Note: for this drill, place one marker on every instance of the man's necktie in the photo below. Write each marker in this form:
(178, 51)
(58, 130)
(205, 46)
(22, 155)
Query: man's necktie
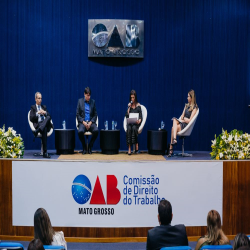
(41, 116)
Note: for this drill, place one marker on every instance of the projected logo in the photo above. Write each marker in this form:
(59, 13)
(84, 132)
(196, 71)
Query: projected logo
(82, 192)
(116, 38)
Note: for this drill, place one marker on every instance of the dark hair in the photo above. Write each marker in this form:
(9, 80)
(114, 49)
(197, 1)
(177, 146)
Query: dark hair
(133, 92)
(244, 248)
(165, 212)
(87, 90)
(35, 244)
(241, 240)
(42, 227)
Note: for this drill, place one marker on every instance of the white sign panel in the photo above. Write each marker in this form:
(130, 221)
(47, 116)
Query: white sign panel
(115, 194)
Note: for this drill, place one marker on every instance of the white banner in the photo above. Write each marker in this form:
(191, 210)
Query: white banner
(115, 194)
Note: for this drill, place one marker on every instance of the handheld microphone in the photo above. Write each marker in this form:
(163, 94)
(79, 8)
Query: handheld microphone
(131, 103)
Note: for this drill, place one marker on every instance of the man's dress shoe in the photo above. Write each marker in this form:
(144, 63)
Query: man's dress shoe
(46, 155)
(90, 150)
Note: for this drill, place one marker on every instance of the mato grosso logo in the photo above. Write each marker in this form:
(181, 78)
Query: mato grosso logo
(82, 193)
(115, 38)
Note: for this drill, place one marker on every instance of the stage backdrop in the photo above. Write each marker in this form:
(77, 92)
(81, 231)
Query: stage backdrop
(203, 45)
(117, 194)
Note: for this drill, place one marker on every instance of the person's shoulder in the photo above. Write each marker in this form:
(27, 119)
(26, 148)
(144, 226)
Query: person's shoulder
(58, 236)
(33, 106)
(179, 226)
(201, 240)
(155, 229)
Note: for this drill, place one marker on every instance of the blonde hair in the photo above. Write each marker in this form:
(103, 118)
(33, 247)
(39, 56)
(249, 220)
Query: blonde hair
(193, 104)
(215, 234)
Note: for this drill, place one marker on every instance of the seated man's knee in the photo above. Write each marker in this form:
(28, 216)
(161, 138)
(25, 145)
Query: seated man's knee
(81, 133)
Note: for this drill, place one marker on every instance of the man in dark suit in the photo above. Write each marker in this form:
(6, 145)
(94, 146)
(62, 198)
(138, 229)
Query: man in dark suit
(166, 235)
(86, 115)
(41, 119)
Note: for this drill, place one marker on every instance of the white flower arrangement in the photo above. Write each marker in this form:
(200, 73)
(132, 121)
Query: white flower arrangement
(11, 144)
(229, 146)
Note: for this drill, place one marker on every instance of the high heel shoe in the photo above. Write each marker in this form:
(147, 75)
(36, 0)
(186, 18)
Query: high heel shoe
(174, 142)
(171, 152)
(137, 151)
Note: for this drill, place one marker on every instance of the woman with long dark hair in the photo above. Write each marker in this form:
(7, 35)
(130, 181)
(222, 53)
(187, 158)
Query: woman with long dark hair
(44, 232)
(215, 235)
(188, 113)
(241, 240)
(132, 129)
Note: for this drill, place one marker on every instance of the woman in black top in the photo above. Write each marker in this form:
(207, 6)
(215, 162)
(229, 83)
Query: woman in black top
(132, 129)
(188, 113)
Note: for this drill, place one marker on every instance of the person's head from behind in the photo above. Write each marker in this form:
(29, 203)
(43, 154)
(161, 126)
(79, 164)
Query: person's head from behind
(241, 240)
(133, 97)
(35, 244)
(213, 226)
(87, 93)
(42, 227)
(191, 98)
(165, 212)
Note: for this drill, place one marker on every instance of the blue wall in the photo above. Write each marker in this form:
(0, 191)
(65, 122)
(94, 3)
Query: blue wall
(203, 45)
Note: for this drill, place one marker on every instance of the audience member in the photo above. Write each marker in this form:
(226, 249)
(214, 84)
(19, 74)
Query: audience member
(166, 235)
(244, 248)
(240, 240)
(35, 244)
(215, 235)
(44, 231)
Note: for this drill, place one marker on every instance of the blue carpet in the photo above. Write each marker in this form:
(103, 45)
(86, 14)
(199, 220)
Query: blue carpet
(196, 156)
(29, 154)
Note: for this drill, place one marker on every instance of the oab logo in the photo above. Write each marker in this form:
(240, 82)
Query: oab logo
(82, 191)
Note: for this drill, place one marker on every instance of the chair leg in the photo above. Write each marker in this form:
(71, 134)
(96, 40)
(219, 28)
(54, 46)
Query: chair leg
(87, 139)
(182, 153)
(41, 147)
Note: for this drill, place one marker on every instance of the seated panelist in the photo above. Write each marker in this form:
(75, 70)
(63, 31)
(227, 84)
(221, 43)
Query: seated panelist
(86, 115)
(188, 113)
(132, 129)
(41, 120)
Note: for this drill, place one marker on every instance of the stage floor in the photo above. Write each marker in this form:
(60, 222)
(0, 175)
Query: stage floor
(122, 156)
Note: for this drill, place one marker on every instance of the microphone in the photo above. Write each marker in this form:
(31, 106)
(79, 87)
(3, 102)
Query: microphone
(131, 103)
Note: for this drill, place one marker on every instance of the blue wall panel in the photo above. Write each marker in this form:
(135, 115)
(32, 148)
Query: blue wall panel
(203, 45)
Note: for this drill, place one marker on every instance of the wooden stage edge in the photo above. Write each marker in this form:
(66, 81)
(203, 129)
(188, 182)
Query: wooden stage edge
(97, 240)
(236, 216)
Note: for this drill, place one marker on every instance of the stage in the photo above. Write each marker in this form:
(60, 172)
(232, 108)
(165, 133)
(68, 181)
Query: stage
(235, 210)
(122, 156)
